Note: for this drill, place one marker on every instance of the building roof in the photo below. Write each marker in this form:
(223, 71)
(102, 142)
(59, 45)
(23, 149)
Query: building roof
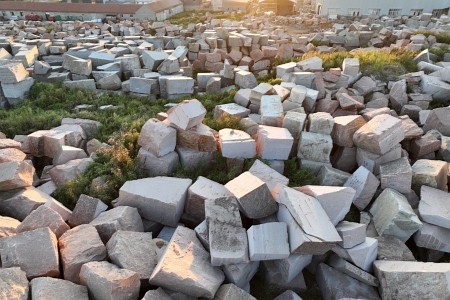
(156, 6)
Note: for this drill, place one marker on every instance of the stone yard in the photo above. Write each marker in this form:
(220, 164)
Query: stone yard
(375, 226)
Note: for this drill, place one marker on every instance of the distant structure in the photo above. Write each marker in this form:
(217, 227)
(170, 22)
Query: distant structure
(157, 10)
(391, 8)
(279, 7)
(229, 5)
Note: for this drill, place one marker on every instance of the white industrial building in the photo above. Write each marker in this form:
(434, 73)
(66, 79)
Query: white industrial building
(391, 8)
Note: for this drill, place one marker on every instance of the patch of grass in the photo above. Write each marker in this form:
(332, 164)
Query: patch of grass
(316, 43)
(383, 64)
(224, 122)
(439, 52)
(197, 16)
(441, 37)
(298, 176)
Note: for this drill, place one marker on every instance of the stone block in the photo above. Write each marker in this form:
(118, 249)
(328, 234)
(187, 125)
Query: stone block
(432, 173)
(433, 206)
(19, 203)
(315, 146)
(158, 199)
(195, 277)
(241, 274)
(273, 143)
(157, 138)
(352, 234)
(392, 248)
(330, 176)
(362, 255)
(236, 144)
(43, 217)
(267, 174)
(271, 111)
(13, 72)
(253, 196)
(365, 184)
(230, 110)
(393, 215)
(78, 246)
(320, 122)
(245, 80)
(372, 161)
(295, 123)
(438, 119)
(261, 249)
(13, 283)
(231, 291)
(86, 209)
(351, 270)
(157, 166)
(397, 175)
(350, 66)
(344, 128)
(16, 174)
(187, 114)
(47, 288)
(35, 252)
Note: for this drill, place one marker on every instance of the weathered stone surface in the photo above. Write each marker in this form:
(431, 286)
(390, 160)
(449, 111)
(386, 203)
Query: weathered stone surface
(336, 285)
(365, 184)
(412, 280)
(135, 251)
(119, 218)
(379, 135)
(245, 80)
(202, 189)
(267, 174)
(396, 175)
(35, 252)
(350, 66)
(373, 161)
(332, 177)
(433, 206)
(392, 248)
(200, 138)
(152, 165)
(8, 226)
(62, 173)
(271, 110)
(432, 173)
(289, 268)
(273, 143)
(438, 119)
(157, 294)
(227, 238)
(393, 215)
(433, 237)
(19, 203)
(352, 234)
(159, 199)
(230, 291)
(86, 210)
(309, 228)
(288, 295)
(13, 284)
(78, 246)
(187, 114)
(236, 144)
(195, 276)
(11, 154)
(351, 270)
(47, 288)
(434, 86)
(13, 72)
(253, 196)
(15, 175)
(241, 274)
(365, 85)
(397, 94)
(344, 129)
(362, 255)
(42, 217)
(107, 281)
(157, 137)
(258, 235)
(68, 153)
(315, 146)
(336, 201)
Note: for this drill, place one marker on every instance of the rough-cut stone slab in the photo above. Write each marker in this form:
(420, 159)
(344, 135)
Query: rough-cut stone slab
(352, 234)
(433, 237)
(336, 285)
(438, 119)
(267, 174)
(289, 268)
(373, 161)
(336, 201)
(393, 215)
(273, 143)
(47, 288)
(157, 137)
(119, 218)
(315, 146)
(200, 138)
(288, 295)
(187, 114)
(396, 175)
(351, 270)
(261, 249)
(11, 154)
(195, 276)
(86, 210)
(42, 217)
(13, 284)
(69, 171)
(16, 174)
(158, 199)
(309, 228)
(380, 134)
(253, 196)
(344, 128)
(434, 206)
(271, 110)
(412, 280)
(78, 246)
(362, 255)
(230, 291)
(432, 173)
(236, 144)
(157, 294)
(202, 189)
(241, 274)
(330, 176)
(392, 248)
(107, 281)
(157, 166)
(227, 238)
(8, 226)
(135, 251)
(13, 72)
(365, 185)
(19, 203)
(35, 252)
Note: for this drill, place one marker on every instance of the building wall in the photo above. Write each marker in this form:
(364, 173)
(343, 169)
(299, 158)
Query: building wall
(63, 15)
(349, 7)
